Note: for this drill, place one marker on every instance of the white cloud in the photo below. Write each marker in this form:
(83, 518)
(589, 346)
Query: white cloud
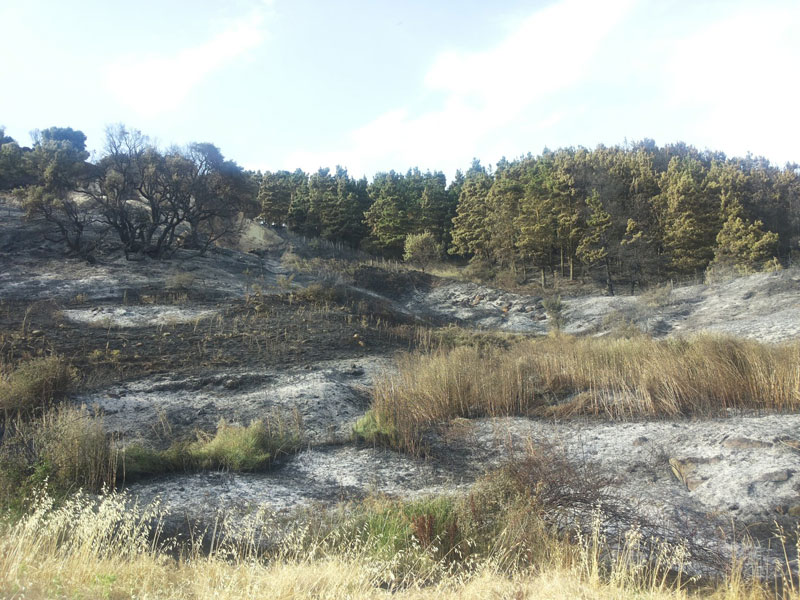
(483, 91)
(155, 84)
(738, 76)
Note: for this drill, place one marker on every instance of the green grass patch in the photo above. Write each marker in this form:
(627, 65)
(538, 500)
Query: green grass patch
(254, 447)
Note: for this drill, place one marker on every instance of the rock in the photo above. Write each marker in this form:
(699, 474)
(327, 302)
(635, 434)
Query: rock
(794, 511)
(776, 476)
(743, 443)
(693, 482)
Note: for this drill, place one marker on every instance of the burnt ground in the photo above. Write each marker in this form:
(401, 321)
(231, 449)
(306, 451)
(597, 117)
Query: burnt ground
(168, 348)
(264, 332)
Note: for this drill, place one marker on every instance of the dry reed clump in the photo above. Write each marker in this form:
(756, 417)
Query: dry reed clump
(34, 384)
(616, 378)
(66, 449)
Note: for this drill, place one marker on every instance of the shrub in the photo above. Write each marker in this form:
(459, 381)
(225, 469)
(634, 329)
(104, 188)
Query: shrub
(250, 448)
(657, 296)
(181, 281)
(422, 249)
(554, 308)
(373, 428)
(322, 293)
(35, 383)
(233, 447)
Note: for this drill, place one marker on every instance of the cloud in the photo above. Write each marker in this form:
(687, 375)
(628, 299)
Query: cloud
(156, 84)
(737, 76)
(481, 92)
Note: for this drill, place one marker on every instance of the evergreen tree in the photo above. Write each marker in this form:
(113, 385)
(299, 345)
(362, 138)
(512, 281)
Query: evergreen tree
(470, 235)
(593, 248)
(690, 217)
(388, 218)
(743, 246)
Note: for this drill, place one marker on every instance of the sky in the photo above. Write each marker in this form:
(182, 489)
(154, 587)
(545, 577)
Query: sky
(374, 85)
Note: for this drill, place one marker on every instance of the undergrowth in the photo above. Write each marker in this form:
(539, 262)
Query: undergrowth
(65, 448)
(34, 384)
(506, 538)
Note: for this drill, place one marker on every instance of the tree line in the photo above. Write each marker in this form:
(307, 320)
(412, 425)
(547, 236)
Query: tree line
(635, 214)
(632, 214)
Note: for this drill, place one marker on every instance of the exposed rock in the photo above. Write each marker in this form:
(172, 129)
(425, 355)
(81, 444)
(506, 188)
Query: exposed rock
(776, 476)
(741, 443)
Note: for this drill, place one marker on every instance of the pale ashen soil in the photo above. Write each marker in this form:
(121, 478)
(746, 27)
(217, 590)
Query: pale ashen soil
(696, 476)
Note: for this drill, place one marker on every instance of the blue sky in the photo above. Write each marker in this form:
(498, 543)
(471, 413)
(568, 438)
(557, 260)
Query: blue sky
(378, 85)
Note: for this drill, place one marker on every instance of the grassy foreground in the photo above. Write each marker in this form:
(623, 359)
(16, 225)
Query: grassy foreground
(104, 549)
(565, 376)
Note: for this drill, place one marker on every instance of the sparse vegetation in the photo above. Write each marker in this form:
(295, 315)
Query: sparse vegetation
(65, 449)
(498, 541)
(555, 314)
(657, 296)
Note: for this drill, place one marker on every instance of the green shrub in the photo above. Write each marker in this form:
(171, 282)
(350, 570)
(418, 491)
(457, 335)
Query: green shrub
(373, 428)
(422, 249)
(233, 447)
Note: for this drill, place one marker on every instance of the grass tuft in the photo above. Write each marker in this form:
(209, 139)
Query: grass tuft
(35, 384)
(66, 449)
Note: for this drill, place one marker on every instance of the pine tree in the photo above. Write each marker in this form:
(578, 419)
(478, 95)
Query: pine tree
(593, 248)
(471, 236)
(690, 217)
(388, 218)
(743, 246)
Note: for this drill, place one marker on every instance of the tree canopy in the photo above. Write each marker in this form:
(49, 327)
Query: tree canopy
(632, 214)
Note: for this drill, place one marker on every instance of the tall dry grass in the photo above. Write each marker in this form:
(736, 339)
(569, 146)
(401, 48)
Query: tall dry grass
(34, 384)
(563, 376)
(66, 448)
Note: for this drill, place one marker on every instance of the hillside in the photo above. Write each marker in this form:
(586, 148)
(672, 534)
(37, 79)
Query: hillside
(166, 349)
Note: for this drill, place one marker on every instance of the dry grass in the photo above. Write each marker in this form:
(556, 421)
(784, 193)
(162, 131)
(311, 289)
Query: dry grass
(564, 376)
(65, 448)
(106, 549)
(34, 384)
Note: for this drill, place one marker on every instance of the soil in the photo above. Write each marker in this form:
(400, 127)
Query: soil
(168, 348)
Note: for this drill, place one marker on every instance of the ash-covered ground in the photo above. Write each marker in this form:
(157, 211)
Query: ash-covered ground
(176, 345)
